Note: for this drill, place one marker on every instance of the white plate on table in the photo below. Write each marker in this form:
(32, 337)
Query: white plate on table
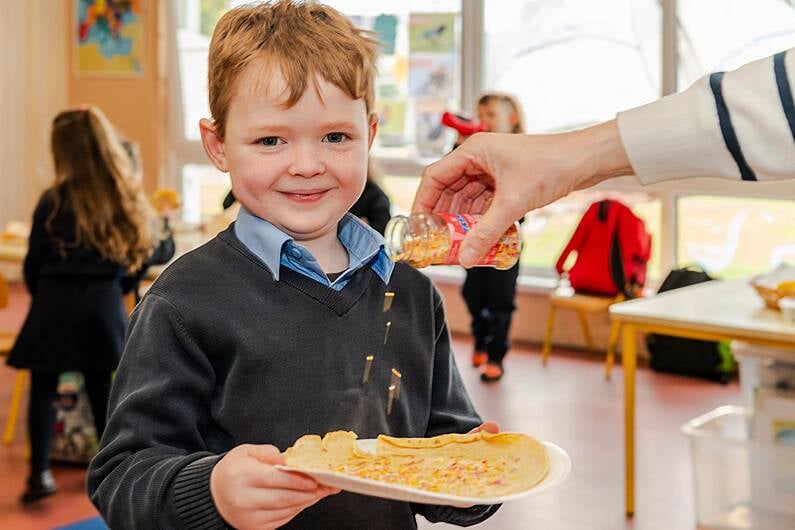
(559, 467)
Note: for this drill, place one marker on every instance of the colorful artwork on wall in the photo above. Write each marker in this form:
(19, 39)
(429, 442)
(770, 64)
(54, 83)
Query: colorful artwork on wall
(109, 37)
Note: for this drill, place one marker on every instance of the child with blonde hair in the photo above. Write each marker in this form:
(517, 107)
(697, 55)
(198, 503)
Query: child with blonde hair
(373, 206)
(261, 336)
(490, 293)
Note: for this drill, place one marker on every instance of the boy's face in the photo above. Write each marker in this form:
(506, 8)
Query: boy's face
(300, 168)
(497, 116)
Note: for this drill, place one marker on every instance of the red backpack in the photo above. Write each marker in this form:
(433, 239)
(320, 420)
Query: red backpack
(612, 247)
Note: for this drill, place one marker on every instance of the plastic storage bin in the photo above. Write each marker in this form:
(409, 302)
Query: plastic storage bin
(762, 367)
(739, 483)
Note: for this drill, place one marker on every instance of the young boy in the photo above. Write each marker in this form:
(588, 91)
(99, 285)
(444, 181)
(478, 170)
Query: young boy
(260, 336)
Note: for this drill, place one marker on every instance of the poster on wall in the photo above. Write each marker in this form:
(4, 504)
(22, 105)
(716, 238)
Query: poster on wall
(391, 122)
(431, 75)
(430, 137)
(432, 32)
(109, 37)
(386, 28)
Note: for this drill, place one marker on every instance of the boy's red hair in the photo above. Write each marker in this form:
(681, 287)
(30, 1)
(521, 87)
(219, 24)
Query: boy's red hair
(303, 40)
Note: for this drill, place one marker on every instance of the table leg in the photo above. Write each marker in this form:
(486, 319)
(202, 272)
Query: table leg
(629, 358)
(547, 347)
(615, 330)
(585, 331)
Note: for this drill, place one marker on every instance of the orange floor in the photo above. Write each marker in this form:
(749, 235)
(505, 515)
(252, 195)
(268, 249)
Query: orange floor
(568, 402)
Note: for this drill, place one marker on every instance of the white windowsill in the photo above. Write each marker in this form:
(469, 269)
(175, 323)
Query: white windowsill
(527, 283)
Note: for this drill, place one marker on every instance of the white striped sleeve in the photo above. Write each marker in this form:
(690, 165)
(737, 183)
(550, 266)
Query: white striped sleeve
(736, 125)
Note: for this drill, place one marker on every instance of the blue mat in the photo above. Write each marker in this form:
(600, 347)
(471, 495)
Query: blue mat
(95, 523)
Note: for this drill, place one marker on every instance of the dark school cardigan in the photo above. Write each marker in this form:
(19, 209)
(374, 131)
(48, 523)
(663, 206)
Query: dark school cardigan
(219, 354)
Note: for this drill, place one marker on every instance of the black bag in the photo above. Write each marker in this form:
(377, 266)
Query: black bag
(690, 357)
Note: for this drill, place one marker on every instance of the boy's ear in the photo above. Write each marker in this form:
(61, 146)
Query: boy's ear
(373, 128)
(213, 145)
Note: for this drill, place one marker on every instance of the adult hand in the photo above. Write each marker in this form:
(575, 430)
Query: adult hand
(503, 176)
(250, 492)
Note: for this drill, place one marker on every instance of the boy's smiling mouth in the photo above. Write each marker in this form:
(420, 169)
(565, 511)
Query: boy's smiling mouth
(305, 196)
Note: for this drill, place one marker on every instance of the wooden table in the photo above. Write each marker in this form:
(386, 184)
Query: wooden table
(720, 310)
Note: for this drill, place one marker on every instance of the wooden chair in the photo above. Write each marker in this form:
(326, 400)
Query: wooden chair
(7, 339)
(583, 305)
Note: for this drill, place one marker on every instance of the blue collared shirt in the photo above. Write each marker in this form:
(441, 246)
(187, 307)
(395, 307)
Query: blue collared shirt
(364, 245)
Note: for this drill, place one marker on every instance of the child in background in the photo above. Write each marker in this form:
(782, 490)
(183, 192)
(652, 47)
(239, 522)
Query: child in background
(373, 207)
(261, 335)
(90, 230)
(490, 293)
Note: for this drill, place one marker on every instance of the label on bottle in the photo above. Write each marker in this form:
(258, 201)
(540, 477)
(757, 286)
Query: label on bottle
(458, 225)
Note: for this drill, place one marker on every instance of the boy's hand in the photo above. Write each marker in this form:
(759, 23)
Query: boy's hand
(249, 492)
(489, 426)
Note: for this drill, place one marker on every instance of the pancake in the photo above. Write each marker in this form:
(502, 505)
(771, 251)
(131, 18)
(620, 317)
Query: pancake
(479, 465)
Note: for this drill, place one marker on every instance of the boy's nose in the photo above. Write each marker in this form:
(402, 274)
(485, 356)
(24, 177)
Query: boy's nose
(306, 163)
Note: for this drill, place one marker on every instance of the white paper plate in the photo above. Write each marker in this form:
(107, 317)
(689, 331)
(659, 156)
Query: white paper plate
(559, 467)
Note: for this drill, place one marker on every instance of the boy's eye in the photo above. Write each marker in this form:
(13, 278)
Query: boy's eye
(270, 141)
(336, 137)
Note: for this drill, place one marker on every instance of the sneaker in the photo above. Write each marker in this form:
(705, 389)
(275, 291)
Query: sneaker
(491, 372)
(40, 485)
(479, 358)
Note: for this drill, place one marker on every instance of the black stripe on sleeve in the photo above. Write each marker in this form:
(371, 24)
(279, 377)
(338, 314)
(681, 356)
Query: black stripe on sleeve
(784, 91)
(726, 127)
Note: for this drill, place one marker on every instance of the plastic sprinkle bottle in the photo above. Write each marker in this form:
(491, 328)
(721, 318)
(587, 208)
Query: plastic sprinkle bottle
(435, 239)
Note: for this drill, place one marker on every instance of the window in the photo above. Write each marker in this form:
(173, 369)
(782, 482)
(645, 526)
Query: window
(195, 23)
(202, 186)
(547, 230)
(732, 237)
(573, 62)
(419, 78)
(418, 67)
(717, 35)
(206, 187)
(418, 71)
(401, 190)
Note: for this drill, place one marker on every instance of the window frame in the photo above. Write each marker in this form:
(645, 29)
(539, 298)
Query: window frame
(182, 151)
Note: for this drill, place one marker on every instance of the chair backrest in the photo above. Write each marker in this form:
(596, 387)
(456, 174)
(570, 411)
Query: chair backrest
(3, 291)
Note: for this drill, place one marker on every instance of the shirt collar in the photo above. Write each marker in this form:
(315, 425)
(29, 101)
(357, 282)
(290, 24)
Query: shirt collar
(363, 244)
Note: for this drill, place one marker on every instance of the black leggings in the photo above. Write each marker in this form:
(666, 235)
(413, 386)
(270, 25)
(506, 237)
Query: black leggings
(490, 295)
(41, 413)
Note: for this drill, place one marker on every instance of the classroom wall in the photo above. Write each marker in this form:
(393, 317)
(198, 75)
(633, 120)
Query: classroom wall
(529, 321)
(32, 81)
(133, 104)
(38, 79)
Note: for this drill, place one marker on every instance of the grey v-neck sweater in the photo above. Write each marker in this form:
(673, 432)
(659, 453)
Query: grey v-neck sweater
(219, 354)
